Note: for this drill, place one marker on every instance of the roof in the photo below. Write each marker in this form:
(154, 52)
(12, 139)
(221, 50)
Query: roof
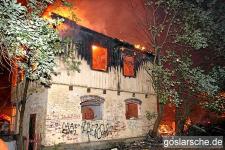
(87, 30)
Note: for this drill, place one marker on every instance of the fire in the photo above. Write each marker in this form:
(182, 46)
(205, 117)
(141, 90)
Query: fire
(68, 11)
(57, 8)
(94, 47)
(101, 16)
(187, 124)
(138, 46)
(6, 117)
(165, 129)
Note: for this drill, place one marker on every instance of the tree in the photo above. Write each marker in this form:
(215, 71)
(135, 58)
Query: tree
(176, 29)
(29, 41)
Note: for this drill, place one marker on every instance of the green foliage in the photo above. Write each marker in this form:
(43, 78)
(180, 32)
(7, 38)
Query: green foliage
(29, 37)
(218, 73)
(164, 85)
(67, 4)
(178, 27)
(215, 104)
(179, 75)
(69, 56)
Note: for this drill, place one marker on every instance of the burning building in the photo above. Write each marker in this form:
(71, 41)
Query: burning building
(105, 102)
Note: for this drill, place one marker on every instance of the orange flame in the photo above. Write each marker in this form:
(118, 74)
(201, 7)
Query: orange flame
(100, 16)
(71, 12)
(166, 129)
(6, 117)
(187, 124)
(138, 46)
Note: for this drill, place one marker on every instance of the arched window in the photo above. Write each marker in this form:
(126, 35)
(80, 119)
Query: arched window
(132, 108)
(91, 107)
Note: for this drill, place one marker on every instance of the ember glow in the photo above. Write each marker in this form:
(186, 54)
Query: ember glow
(187, 124)
(5, 117)
(165, 129)
(138, 46)
(73, 12)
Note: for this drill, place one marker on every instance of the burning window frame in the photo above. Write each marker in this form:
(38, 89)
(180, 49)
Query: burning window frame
(106, 54)
(129, 74)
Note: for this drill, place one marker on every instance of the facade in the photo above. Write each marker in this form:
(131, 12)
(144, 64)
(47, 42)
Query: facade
(107, 100)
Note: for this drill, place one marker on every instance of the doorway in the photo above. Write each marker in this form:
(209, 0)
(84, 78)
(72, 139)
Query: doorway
(32, 124)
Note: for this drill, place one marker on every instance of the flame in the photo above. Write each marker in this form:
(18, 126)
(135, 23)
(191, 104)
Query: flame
(166, 129)
(6, 117)
(94, 47)
(143, 48)
(100, 16)
(71, 12)
(57, 8)
(187, 124)
(138, 46)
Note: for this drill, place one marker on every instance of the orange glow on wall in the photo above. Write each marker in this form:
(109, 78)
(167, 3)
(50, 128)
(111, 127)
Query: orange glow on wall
(128, 66)
(3, 145)
(99, 58)
(5, 117)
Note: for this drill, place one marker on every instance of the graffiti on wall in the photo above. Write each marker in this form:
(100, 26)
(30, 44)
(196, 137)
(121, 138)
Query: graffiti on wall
(55, 116)
(70, 128)
(74, 130)
(94, 129)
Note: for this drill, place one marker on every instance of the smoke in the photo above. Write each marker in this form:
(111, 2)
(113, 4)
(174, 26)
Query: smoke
(115, 18)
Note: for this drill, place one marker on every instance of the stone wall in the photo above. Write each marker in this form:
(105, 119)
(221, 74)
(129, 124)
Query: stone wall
(64, 122)
(58, 109)
(36, 104)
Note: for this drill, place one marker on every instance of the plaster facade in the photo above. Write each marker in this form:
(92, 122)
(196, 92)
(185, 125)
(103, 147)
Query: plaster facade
(58, 108)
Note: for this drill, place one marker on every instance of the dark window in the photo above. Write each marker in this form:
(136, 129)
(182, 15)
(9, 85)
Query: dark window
(99, 58)
(132, 108)
(91, 107)
(128, 66)
(32, 126)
